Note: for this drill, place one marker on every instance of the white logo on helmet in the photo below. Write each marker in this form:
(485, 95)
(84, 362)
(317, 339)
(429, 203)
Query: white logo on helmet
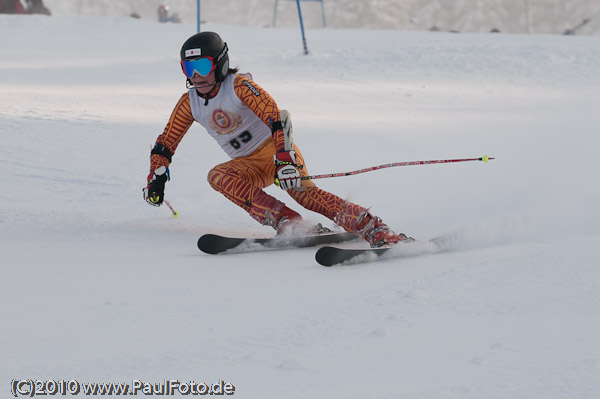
(193, 52)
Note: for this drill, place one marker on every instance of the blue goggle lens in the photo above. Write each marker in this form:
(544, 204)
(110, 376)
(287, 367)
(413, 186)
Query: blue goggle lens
(201, 66)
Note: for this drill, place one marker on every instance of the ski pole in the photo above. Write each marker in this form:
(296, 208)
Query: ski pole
(173, 211)
(485, 158)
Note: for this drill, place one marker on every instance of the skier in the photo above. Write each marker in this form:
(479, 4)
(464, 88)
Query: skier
(246, 122)
(163, 15)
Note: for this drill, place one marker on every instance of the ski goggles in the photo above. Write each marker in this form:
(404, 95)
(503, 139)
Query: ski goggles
(202, 66)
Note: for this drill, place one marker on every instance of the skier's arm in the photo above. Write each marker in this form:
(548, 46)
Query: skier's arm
(262, 104)
(180, 121)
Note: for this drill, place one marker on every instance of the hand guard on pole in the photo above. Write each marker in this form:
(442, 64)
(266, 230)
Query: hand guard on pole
(154, 193)
(286, 171)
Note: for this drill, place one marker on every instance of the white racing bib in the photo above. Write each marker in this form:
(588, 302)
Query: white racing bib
(227, 119)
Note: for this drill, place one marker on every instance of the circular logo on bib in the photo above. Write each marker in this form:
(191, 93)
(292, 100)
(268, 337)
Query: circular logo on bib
(223, 122)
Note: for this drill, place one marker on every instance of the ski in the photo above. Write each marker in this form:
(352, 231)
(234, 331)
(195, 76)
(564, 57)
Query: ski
(331, 256)
(215, 244)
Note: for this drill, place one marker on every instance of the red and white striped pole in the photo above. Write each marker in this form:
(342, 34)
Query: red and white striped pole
(392, 165)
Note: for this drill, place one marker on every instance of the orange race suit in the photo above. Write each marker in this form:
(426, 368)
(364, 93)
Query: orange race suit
(241, 117)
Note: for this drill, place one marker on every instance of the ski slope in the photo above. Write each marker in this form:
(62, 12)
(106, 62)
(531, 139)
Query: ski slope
(508, 16)
(97, 286)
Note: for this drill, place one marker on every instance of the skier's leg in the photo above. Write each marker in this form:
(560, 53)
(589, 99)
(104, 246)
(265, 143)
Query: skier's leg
(241, 181)
(352, 217)
(343, 213)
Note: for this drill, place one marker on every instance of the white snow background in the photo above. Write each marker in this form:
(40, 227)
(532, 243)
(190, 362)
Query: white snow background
(95, 285)
(509, 16)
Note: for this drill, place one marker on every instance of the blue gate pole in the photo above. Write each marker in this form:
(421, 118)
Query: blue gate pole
(302, 27)
(198, 15)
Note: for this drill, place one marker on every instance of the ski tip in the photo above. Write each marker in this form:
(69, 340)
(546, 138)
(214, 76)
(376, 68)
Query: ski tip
(323, 256)
(208, 243)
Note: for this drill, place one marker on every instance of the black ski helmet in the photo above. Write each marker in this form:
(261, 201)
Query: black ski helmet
(210, 44)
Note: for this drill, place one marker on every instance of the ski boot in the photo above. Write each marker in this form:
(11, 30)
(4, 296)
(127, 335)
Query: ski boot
(291, 223)
(287, 222)
(377, 233)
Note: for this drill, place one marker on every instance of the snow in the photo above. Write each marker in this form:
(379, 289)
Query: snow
(508, 16)
(97, 286)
